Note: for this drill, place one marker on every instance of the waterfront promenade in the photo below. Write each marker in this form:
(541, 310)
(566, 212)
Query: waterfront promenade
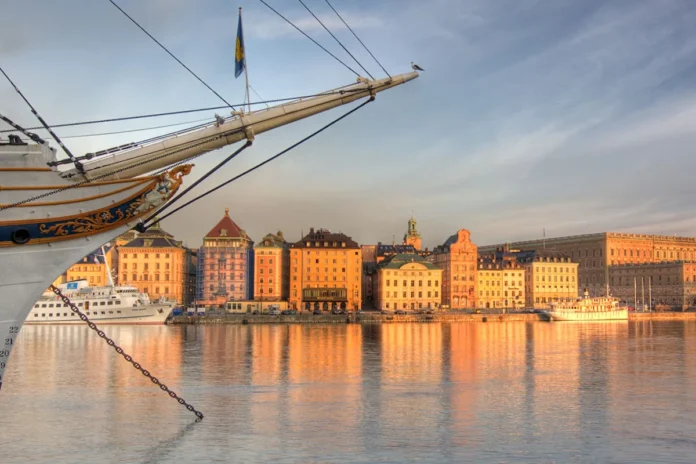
(374, 317)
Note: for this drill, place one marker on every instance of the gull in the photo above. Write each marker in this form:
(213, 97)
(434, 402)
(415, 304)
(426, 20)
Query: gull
(416, 67)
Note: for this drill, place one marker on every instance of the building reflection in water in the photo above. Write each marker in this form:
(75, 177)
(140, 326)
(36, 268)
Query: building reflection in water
(70, 367)
(565, 390)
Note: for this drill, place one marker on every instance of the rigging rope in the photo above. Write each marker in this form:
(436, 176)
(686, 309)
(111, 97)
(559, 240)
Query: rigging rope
(278, 155)
(171, 113)
(127, 131)
(305, 34)
(107, 174)
(78, 165)
(141, 226)
(336, 39)
(356, 36)
(171, 54)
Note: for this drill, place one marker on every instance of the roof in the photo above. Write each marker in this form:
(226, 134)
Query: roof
(272, 241)
(226, 228)
(324, 238)
(539, 255)
(399, 260)
(160, 242)
(383, 249)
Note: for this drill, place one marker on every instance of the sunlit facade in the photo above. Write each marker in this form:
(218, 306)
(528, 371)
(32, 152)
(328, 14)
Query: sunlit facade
(225, 263)
(408, 282)
(457, 258)
(156, 265)
(325, 272)
(500, 284)
(271, 268)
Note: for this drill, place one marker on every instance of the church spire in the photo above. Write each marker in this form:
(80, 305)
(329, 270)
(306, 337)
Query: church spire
(412, 236)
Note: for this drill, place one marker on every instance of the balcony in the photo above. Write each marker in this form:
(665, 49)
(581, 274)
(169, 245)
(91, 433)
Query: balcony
(324, 294)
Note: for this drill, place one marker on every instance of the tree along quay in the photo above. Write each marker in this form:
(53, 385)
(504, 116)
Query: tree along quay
(377, 318)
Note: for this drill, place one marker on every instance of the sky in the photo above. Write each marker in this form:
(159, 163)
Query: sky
(573, 117)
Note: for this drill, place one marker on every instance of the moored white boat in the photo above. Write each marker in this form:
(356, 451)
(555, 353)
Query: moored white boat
(103, 305)
(587, 309)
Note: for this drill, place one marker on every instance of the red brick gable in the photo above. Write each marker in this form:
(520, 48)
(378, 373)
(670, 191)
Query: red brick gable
(226, 228)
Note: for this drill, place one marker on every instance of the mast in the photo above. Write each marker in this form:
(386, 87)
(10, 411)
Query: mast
(109, 277)
(642, 292)
(181, 146)
(246, 71)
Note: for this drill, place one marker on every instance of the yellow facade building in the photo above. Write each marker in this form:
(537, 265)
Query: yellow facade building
(549, 276)
(325, 272)
(157, 265)
(271, 273)
(595, 253)
(501, 284)
(408, 282)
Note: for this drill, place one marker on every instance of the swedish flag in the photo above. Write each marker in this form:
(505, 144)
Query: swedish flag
(239, 55)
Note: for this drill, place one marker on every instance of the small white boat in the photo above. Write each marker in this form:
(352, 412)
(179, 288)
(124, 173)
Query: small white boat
(588, 309)
(102, 305)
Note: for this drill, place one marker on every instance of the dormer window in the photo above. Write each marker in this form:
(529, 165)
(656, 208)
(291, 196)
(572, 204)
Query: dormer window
(223, 232)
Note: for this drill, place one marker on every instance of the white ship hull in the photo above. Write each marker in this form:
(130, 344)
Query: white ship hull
(152, 314)
(616, 315)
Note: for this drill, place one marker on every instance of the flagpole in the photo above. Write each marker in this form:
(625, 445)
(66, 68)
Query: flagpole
(246, 71)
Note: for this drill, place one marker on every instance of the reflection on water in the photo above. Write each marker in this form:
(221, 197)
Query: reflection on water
(620, 392)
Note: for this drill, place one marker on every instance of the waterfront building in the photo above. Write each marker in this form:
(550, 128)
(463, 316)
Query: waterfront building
(408, 281)
(500, 282)
(271, 268)
(457, 258)
(412, 237)
(549, 276)
(156, 264)
(595, 253)
(325, 272)
(225, 263)
(671, 283)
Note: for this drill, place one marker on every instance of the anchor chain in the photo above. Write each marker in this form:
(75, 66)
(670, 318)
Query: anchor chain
(125, 355)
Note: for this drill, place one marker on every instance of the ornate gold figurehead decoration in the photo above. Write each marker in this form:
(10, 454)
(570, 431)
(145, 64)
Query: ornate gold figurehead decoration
(153, 196)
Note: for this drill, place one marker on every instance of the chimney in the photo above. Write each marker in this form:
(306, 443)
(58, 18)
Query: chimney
(311, 230)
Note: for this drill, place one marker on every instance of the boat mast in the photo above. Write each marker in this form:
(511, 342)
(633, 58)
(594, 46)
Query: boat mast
(109, 277)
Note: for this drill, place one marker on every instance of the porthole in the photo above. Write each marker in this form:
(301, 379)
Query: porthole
(20, 236)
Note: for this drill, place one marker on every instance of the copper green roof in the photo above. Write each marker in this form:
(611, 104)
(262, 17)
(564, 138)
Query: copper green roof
(401, 259)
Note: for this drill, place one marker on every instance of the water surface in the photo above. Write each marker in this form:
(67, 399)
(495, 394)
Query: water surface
(469, 392)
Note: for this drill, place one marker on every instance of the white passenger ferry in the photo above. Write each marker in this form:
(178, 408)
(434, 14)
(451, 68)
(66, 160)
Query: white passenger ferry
(103, 305)
(603, 308)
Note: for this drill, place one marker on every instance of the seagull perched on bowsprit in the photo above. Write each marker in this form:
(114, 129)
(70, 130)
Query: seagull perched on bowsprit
(416, 67)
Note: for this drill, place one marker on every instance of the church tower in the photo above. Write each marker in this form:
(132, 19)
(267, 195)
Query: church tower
(412, 236)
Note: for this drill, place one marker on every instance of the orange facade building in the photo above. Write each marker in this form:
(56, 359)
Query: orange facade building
(271, 268)
(325, 272)
(457, 258)
(156, 264)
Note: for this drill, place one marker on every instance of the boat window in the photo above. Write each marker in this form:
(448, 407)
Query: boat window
(118, 312)
(43, 305)
(111, 312)
(36, 315)
(110, 303)
(65, 314)
(50, 315)
(51, 305)
(102, 312)
(118, 302)
(36, 306)
(102, 303)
